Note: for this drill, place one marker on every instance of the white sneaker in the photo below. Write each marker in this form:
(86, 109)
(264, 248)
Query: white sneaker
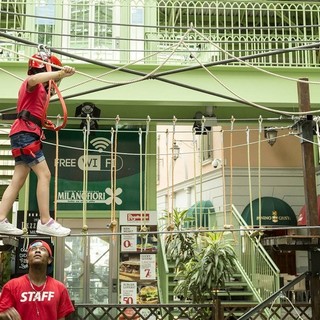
(52, 228)
(9, 229)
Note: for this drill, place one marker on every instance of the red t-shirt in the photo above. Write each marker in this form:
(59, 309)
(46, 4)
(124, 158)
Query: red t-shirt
(33, 101)
(50, 302)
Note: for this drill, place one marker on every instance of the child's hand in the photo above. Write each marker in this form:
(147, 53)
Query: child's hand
(67, 71)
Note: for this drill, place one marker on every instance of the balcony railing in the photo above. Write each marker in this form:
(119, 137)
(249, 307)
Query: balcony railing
(165, 32)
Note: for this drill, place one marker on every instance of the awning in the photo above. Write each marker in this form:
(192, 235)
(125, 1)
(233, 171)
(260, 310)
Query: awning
(302, 218)
(274, 212)
(205, 207)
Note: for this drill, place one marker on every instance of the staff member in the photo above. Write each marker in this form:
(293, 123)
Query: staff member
(35, 295)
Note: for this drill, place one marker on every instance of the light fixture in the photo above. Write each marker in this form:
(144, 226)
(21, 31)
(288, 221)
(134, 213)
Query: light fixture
(270, 134)
(209, 120)
(88, 109)
(175, 151)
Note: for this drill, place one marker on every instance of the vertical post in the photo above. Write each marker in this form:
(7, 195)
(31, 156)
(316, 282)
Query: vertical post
(310, 193)
(218, 315)
(308, 158)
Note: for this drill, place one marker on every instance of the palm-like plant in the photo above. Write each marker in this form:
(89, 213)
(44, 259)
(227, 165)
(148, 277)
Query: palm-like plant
(207, 271)
(204, 261)
(179, 245)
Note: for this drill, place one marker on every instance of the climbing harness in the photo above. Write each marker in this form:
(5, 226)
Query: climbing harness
(26, 115)
(29, 150)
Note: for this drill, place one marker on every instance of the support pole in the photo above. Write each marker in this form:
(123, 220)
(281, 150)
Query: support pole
(310, 194)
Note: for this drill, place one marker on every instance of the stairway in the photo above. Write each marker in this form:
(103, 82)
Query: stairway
(236, 290)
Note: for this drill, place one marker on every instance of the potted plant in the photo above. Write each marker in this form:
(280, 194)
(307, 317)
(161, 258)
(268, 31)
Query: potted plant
(206, 272)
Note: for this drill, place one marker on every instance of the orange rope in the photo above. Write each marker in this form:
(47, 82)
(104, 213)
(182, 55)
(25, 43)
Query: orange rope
(46, 123)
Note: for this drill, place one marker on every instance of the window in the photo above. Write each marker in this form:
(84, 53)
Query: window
(97, 36)
(206, 145)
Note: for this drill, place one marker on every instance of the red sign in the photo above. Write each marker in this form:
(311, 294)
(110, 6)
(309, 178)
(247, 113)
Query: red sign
(135, 217)
(138, 217)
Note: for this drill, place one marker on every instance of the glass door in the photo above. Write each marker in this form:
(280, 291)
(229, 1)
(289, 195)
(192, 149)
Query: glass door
(87, 267)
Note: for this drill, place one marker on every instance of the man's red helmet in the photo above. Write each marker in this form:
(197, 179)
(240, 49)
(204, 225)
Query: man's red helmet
(35, 66)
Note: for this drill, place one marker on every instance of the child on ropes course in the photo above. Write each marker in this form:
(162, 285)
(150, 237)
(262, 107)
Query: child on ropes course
(25, 136)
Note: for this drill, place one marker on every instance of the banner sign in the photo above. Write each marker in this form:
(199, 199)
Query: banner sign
(102, 148)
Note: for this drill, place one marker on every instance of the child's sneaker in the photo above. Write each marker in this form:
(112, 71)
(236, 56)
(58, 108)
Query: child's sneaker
(52, 228)
(9, 229)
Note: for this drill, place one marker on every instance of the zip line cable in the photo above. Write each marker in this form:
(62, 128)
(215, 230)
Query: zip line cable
(157, 76)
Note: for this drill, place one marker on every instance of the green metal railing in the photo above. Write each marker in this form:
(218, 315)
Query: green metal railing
(263, 273)
(156, 32)
(257, 268)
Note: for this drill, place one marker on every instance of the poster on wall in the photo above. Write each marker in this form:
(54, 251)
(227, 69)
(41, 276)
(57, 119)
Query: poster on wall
(148, 267)
(101, 149)
(129, 238)
(129, 293)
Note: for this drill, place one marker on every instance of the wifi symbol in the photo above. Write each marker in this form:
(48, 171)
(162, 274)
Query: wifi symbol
(100, 143)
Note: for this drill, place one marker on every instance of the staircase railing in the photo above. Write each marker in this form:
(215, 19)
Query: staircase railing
(262, 273)
(163, 267)
(266, 302)
(256, 266)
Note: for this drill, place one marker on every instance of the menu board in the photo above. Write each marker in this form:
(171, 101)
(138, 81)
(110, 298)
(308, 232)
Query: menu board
(138, 263)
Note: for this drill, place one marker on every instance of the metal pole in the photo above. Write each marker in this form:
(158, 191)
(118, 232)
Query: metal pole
(310, 194)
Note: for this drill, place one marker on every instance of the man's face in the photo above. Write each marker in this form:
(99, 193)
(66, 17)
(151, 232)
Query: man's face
(38, 254)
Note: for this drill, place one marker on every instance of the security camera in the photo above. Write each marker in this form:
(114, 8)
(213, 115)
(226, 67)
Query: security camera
(216, 162)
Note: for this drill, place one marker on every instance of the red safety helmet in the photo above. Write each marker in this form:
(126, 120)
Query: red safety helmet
(35, 66)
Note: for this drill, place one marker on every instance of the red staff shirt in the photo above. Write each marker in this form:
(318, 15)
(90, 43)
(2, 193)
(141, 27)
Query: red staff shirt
(50, 301)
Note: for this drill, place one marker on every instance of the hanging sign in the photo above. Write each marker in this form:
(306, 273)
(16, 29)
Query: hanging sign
(138, 218)
(71, 169)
